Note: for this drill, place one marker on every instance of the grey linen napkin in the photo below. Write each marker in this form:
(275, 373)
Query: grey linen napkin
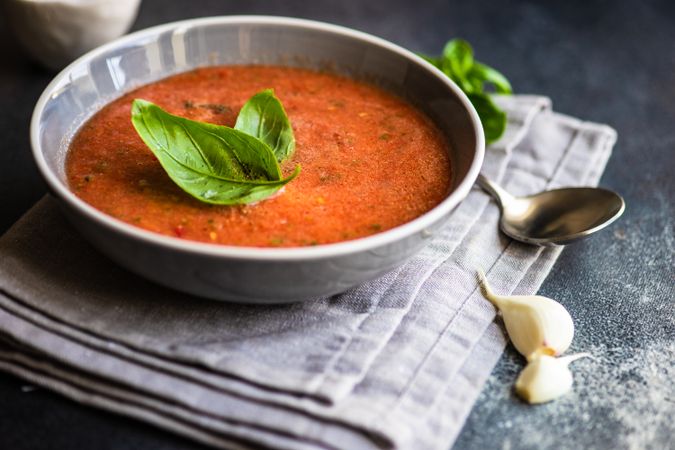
(394, 363)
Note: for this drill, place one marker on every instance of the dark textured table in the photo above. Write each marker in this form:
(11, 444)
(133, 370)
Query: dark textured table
(610, 62)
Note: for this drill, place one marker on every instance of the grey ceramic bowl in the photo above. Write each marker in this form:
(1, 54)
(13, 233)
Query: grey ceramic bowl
(246, 274)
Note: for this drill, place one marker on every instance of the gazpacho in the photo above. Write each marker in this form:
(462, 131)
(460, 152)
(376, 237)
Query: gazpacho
(370, 160)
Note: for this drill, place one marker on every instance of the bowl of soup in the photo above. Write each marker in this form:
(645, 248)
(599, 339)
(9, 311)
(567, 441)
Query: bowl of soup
(388, 147)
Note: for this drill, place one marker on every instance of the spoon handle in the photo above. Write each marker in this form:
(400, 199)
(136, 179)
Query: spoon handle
(494, 190)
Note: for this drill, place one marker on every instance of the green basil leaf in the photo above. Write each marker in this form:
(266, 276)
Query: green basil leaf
(211, 189)
(467, 86)
(213, 163)
(476, 86)
(457, 63)
(484, 73)
(457, 58)
(492, 118)
(445, 67)
(263, 117)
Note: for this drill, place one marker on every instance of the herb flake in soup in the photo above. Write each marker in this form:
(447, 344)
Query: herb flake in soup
(370, 160)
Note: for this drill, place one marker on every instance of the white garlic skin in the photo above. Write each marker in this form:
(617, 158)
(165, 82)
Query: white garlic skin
(536, 325)
(546, 378)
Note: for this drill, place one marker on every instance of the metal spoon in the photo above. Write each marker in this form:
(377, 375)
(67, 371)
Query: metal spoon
(555, 217)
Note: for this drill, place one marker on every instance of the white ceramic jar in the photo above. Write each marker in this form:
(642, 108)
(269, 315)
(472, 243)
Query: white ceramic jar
(56, 32)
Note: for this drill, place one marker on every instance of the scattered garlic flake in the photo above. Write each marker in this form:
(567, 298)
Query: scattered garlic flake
(540, 328)
(536, 325)
(546, 378)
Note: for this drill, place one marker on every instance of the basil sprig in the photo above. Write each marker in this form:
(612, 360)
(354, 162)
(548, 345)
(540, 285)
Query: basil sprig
(263, 116)
(458, 63)
(218, 164)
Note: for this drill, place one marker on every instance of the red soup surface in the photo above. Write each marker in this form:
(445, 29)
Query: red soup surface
(370, 161)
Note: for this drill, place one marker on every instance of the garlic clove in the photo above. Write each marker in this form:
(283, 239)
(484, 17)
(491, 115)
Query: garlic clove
(536, 325)
(546, 378)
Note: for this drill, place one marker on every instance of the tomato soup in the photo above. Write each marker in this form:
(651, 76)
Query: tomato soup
(370, 160)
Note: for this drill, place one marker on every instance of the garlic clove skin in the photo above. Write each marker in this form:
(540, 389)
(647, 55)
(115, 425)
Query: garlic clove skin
(546, 378)
(536, 325)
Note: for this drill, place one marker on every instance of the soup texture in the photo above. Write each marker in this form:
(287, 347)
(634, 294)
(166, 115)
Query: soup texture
(370, 161)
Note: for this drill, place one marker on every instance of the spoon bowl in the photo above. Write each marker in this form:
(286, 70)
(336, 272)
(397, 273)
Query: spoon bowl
(555, 217)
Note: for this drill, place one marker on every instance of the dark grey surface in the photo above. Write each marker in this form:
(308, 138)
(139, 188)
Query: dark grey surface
(611, 62)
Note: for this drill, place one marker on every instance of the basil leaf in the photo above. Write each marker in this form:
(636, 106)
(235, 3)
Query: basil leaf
(211, 189)
(476, 86)
(213, 163)
(263, 117)
(483, 73)
(458, 54)
(492, 118)
(456, 61)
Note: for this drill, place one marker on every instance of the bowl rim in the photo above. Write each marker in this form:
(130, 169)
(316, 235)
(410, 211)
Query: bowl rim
(321, 251)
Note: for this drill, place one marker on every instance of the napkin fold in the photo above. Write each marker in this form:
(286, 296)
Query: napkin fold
(395, 363)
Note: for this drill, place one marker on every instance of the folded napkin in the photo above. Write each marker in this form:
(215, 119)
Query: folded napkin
(394, 363)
